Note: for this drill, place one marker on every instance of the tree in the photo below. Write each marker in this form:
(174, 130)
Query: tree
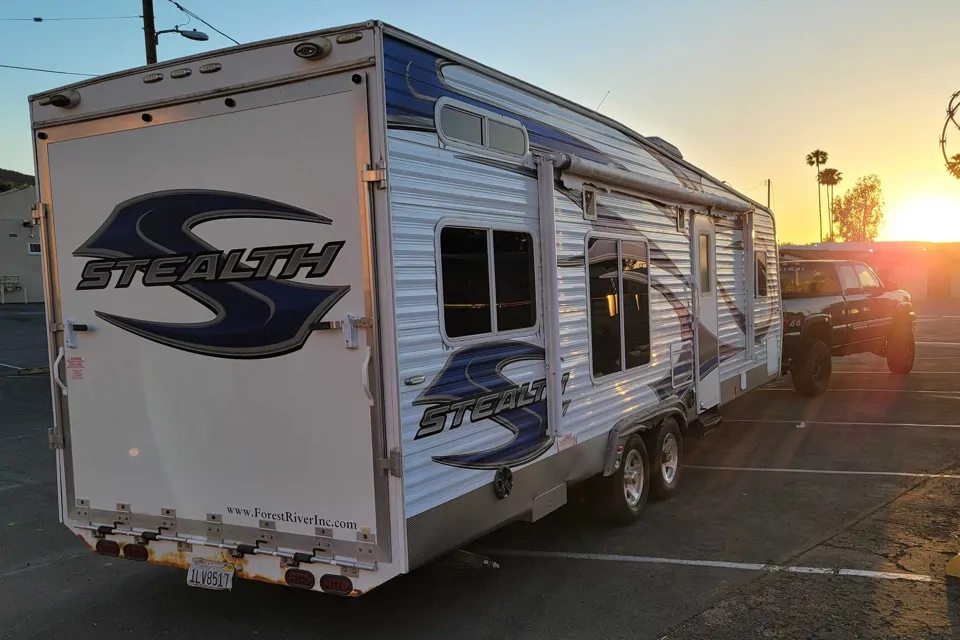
(859, 213)
(829, 178)
(816, 158)
(953, 165)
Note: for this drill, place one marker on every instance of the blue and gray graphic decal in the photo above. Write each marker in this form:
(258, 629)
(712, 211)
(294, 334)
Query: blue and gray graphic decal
(257, 315)
(472, 387)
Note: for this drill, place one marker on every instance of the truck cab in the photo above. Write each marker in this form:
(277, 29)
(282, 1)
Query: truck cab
(839, 308)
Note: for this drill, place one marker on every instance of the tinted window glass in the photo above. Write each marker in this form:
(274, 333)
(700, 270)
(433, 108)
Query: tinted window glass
(466, 281)
(604, 291)
(808, 280)
(503, 137)
(461, 125)
(706, 286)
(636, 309)
(761, 274)
(851, 283)
(513, 268)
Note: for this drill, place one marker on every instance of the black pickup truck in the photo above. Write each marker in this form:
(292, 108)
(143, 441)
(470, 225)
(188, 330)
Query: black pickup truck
(838, 308)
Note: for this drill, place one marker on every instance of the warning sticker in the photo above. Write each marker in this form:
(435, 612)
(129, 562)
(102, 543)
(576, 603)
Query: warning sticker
(566, 441)
(76, 366)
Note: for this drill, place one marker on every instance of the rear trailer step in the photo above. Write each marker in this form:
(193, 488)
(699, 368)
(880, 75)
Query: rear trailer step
(239, 548)
(706, 423)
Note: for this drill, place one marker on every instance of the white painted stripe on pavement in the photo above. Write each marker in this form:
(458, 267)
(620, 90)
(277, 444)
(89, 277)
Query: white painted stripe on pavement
(939, 344)
(877, 389)
(854, 424)
(10, 366)
(841, 472)
(886, 373)
(748, 566)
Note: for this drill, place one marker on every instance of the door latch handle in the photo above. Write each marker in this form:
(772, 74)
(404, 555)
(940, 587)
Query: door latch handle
(70, 329)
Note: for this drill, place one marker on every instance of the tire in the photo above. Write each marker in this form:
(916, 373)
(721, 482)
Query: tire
(622, 496)
(667, 462)
(811, 373)
(901, 352)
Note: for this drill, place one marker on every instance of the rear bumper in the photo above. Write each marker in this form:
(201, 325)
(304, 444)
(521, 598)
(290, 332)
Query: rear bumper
(249, 562)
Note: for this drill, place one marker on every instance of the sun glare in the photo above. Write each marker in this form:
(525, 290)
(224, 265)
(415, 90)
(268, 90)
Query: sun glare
(930, 218)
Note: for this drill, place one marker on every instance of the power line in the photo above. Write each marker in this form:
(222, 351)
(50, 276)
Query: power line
(193, 15)
(65, 73)
(72, 18)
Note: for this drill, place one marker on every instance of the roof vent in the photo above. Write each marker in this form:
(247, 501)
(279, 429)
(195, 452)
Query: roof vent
(666, 146)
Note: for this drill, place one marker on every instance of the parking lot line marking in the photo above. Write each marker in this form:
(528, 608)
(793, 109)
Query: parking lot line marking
(885, 373)
(939, 344)
(10, 366)
(842, 472)
(747, 566)
(854, 424)
(884, 390)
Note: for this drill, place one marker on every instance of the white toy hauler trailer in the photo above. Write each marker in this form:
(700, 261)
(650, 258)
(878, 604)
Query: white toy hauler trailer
(325, 307)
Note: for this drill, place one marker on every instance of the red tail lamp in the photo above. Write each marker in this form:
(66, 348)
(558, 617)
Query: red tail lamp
(299, 578)
(135, 552)
(338, 585)
(108, 548)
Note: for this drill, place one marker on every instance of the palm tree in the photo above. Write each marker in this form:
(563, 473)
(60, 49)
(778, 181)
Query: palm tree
(953, 165)
(829, 178)
(814, 159)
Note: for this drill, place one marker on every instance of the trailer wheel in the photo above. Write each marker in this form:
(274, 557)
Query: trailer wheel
(811, 372)
(623, 495)
(667, 460)
(901, 352)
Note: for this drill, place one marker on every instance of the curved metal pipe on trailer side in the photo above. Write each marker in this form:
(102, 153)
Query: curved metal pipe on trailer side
(651, 186)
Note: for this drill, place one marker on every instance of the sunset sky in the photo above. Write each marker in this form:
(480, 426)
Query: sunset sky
(745, 88)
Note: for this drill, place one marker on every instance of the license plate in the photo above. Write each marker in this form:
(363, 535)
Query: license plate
(208, 574)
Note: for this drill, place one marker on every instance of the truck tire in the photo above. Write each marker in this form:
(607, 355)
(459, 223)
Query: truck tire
(623, 495)
(901, 351)
(667, 462)
(811, 372)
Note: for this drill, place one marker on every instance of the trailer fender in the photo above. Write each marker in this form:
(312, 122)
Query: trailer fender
(644, 423)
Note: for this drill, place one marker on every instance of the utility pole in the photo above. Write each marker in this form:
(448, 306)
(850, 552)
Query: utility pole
(768, 193)
(149, 32)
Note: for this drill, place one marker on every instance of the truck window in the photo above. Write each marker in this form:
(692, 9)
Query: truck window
(761, 285)
(851, 283)
(472, 259)
(810, 280)
(868, 279)
(619, 305)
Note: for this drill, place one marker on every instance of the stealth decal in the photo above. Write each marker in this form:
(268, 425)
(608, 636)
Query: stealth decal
(257, 315)
(472, 387)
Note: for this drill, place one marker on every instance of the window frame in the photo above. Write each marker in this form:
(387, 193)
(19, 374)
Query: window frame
(843, 285)
(711, 280)
(620, 238)
(31, 252)
(756, 275)
(485, 117)
(462, 223)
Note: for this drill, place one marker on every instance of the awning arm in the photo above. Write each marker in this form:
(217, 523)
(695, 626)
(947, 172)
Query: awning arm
(654, 187)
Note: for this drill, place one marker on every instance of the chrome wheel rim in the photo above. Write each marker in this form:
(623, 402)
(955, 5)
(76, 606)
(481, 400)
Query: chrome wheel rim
(633, 477)
(670, 458)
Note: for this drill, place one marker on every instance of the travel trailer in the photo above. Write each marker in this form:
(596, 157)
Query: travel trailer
(325, 307)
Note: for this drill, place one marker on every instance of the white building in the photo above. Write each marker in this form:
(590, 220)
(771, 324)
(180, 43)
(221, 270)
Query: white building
(21, 278)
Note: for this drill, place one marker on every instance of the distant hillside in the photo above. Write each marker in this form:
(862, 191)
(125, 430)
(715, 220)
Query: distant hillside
(8, 175)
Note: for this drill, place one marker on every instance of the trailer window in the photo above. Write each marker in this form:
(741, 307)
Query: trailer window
(488, 281)
(464, 123)
(705, 270)
(761, 284)
(619, 309)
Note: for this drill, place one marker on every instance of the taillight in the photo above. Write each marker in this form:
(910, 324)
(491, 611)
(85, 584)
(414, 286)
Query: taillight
(299, 578)
(339, 585)
(108, 548)
(135, 552)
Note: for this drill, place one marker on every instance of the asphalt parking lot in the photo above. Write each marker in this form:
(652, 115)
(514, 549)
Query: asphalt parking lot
(825, 518)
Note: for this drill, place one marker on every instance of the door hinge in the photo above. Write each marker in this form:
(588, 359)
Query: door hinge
(376, 173)
(37, 212)
(392, 464)
(54, 439)
(56, 327)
